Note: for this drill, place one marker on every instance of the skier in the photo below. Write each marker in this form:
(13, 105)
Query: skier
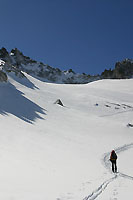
(113, 158)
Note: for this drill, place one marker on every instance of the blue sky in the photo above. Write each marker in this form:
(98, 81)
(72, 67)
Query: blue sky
(85, 35)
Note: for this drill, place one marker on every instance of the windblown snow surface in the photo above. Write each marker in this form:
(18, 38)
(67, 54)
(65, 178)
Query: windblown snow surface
(50, 152)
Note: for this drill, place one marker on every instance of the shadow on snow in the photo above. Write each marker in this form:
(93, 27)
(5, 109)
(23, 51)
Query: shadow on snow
(12, 101)
(24, 81)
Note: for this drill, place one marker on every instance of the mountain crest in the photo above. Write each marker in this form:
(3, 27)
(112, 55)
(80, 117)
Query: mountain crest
(16, 62)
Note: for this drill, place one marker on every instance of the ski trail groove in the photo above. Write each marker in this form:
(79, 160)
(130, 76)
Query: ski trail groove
(100, 189)
(126, 176)
(106, 163)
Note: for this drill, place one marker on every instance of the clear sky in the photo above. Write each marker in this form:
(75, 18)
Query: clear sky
(85, 35)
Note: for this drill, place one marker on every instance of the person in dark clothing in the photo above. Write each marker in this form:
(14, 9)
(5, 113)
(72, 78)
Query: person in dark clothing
(113, 158)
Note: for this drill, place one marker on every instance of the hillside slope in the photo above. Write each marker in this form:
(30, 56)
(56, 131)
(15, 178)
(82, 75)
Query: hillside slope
(57, 153)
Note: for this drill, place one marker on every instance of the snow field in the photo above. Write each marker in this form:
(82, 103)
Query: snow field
(56, 153)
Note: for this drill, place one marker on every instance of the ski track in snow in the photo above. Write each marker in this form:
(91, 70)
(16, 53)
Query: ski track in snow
(106, 163)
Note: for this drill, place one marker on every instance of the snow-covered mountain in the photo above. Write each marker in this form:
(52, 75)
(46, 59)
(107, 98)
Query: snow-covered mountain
(53, 152)
(16, 62)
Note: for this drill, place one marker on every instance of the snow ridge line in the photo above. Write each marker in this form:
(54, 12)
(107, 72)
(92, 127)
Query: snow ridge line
(106, 163)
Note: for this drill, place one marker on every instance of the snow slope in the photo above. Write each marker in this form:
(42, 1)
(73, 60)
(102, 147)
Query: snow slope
(49, 152)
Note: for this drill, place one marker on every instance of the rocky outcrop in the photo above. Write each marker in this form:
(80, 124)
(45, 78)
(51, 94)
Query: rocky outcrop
(17, 63)
(3, 77)
(59, 102)
(3, 53)
(123, 70)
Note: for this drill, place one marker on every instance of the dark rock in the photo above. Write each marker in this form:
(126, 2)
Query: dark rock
(130, 125)
(3, 52)
(3, 76)
(58, 101)
(123, 70)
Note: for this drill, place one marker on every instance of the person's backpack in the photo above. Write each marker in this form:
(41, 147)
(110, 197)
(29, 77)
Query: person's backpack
(113, 156)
